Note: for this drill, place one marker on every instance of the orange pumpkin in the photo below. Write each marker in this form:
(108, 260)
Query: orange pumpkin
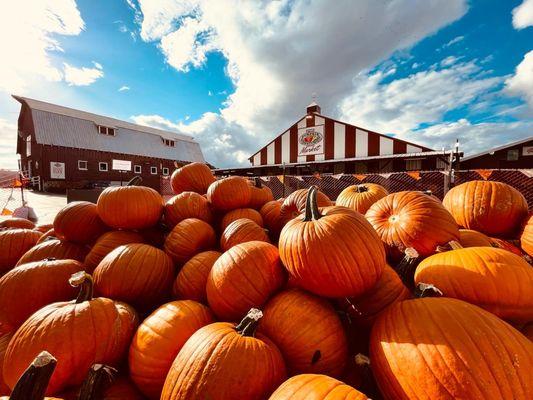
(270, 213)
(78, 222)
(188, 238)
(307, 331)
(361, 197)
(239, 213)
(108, 242)
(259, 195)
(48, 235)
(97, 330)
(224, 361)
(316, 387)
(470, 238)
(43, 228)
(54, 249)
(412, 219)
(493, 208)
(229, 193)
(442, 348)
(187, 205)
(241, 231)
(4, 341)
(506, 245)
(294, 204)
(244, 276)
(526, 238)
(13, 244)
(138, 274)
(16, 223)
(193, 177)
(159, 339)
(192, 278)
(333, 255)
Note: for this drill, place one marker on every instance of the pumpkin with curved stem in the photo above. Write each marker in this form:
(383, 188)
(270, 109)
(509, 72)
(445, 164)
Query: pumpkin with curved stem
(192, 278)
(108, 242)
(229, 193)
(333, 255)
(271, 217)
(13, 244)
(239, 213)
(506, 245)
(138, 274)
(97, 330)
(224, 361)
(316, 387)
(361, 197)
(260, 194)
(4, 341)
(188, 238)
(241, 231)
(193, 177)
(187, 205)
(78, 222)
(244, 276)
(470, 238)
(412, 219)
(307, 331)
(159, 339)
(294, 204)
(442, 348)
(526, 238)
(54, 249)
(493, 208)
(48, 235)
(494, 279)
(16, 223)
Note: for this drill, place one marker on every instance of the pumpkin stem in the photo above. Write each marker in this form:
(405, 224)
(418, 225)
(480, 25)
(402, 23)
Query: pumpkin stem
(407, 266)
(99, 378)
(427, 290)
(312, 213)
(258, 183)
(135, 181)
(362, 188)
(368, 383)
(84, 281)
(455, 245)
(249, 323)
(428, 192)
(34, 381)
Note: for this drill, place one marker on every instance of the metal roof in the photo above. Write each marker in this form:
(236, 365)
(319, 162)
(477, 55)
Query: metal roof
(62, 126)
(502, 147)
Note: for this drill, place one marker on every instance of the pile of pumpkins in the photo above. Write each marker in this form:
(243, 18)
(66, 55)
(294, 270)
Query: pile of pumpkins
(225, 293)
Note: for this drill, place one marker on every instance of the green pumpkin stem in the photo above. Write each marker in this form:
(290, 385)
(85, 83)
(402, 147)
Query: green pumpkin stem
(407, 266)
(312, 213)
(99, 378)
(427, 290)
(362, 188)
(84, 281)
(135, 181)
(34, 381)
(248, 325)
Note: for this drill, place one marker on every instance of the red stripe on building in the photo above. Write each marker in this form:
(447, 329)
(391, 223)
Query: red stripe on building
(264, 156)
(349, 141)
(294, 143)
(373, 144)
(329, 140)
(399, 147)
(277, 150)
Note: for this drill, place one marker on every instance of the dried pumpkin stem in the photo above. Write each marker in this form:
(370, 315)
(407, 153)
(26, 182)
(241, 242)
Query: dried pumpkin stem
(248, 325)
(84, 281)
(135, 181)
(258, 183)
(455, 245)
(99, 378)
(407, 266)
(312, 213)
(34, 381)
(427, 290)
(362, 188)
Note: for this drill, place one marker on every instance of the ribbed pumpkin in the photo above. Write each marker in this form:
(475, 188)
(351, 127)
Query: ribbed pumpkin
(241, 231)
(315, 387)
(229, 193)
(16, 223)
(13, 244)
(159, 339)
(442, 348)
(494, 279)
(54, 249)
(79, 334)
(412, 219)
(361, 197)
(48, 235)
(4, 341)
(188, 238)
(222, 361)
(193, 177)
(108, 242)
(187, 205)
(245, 276)
(78, 222)
(136, 273)
(307, 331)
(526, 238)
(493, 208)
(130, 207)
(294, 204)
(260, 194)
(271, 217)
(46, 280)
(192, 278)
(334, 255)
(470, 238)
(43, 228)
(239, 213)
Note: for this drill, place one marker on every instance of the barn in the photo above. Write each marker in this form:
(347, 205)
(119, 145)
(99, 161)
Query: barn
(514, 155)
(63, 148)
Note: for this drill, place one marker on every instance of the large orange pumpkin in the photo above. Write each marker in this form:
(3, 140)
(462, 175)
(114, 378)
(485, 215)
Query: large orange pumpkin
(78, 222)
(222, 361)
(494, 279)
(259, 195)
(193, 177)
(80, 334)
(470, 238)
(412, 219)
(159, 339)
(315, 387)
(526, 238)
(108, 242)
(13, 244)
(442, 348)
(334, 255)
(187, 205)
(138, 274)
(243, 277)
(188, 238)
(493, 208)
(16, 223)
(271, 217)
(46, 280)
(241, 231)
(361, 197)
(192, 278)
(307, 331)
(4, 341)
(229, 193)
(239, 213)
(54, 249)
(294, 204)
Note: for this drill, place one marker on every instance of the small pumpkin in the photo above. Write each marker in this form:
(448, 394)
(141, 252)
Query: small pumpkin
(188, 238)
(316, 387)
(192, 278)
(361, 197)
(193, 177)
(294, 204)
(270, 213)
(16, 223)
(229, 193)
(259, 195)
(187, 205)
(57, 249)
(78, 222)
(108, 242)
(471, 238)
(526, 238)
(4, 341)
(239, 213)
(13, 244)
(241, 231)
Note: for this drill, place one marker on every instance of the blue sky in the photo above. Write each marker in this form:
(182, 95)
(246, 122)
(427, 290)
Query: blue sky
(234, 74)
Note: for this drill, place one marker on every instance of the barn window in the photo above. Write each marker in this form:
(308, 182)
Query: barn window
(105, 130)
(169, 143)
(153, 170)
(413, 165)
(137, 169)
(165, 171)
(28, 145)
(82, 165)
(102, 166)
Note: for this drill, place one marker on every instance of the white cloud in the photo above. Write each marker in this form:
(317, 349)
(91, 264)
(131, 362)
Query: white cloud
(83, 76)
(521, 83)
(454, 41)
(450, 60)
(124, 88)
(523, 15)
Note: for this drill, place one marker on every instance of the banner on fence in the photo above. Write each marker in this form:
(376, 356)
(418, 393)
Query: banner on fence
(484, 173)
(414, 174)
(359, 177)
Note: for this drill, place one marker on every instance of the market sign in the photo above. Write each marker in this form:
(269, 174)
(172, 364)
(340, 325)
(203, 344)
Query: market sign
(527, 151)
(57, 170)
(121, 165)
(311, 140)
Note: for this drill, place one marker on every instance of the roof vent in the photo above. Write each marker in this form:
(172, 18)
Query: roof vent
(313, 108)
